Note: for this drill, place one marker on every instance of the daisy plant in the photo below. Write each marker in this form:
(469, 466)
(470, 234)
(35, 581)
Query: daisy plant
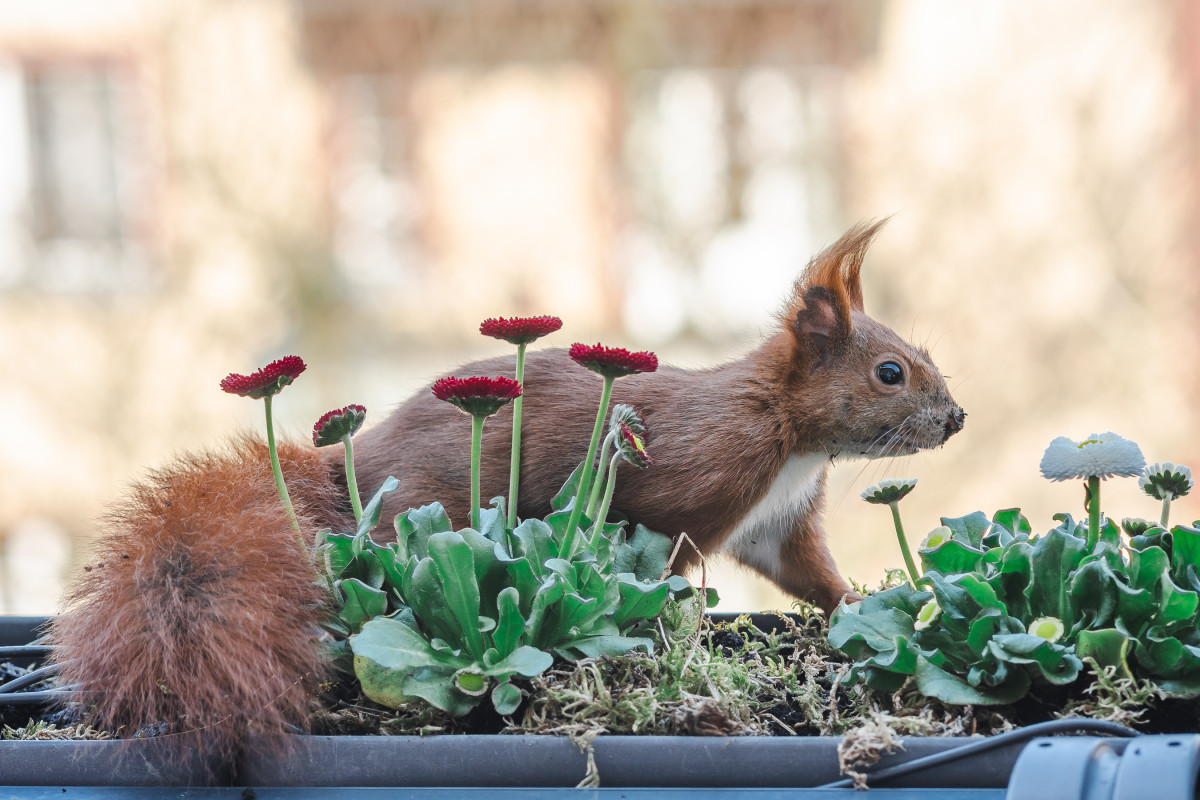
(340, 425)
(1166, 481)
(481, 398)
(264, 385)
(521, 331)
(1100, 456)
(889, 493)
(631, 448)
(610, 363)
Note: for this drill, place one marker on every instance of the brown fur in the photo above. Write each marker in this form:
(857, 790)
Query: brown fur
(197, 610)
(718, 436)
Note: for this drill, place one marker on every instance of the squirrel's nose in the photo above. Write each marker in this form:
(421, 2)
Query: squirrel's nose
(954, 423)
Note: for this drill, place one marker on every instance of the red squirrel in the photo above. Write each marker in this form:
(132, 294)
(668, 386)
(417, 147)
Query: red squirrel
(200, 614)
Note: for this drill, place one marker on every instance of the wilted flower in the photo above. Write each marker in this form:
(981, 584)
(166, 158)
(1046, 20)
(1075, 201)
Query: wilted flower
(1101, 455)
(1165, 480)
(520, 330)
(612, 362)
(889, 491)
(623, 414)
(927, 615)
(333, 426)
(937, 537)
(1049, 628)
(477, 396)
(268, 381)
(631, 447)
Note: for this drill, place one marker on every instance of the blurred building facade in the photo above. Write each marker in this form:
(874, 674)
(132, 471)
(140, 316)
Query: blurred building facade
(192, 187)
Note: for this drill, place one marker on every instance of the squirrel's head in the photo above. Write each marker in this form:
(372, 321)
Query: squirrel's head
(858, 388)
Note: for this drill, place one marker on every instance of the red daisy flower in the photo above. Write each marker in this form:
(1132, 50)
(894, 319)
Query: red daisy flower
(613, 362)
(520, 330)
(632, 448)
(479, 397)
(268, 381)
(333, 426)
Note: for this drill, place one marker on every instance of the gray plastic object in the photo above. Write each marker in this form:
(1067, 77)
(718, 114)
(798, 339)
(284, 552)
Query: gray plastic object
(1092, 768)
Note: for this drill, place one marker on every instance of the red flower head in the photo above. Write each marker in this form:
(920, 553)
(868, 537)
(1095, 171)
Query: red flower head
(613, 362)
(520, 330)
(632, 448)
(333, 426)
(479, 397)
(268, 381)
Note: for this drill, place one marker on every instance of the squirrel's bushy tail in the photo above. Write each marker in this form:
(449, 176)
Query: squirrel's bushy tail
(197, 610)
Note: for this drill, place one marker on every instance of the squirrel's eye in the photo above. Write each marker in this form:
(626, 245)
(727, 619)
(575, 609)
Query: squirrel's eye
(889, 373)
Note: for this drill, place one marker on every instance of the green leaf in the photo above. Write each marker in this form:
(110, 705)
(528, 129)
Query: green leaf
(536, 544)
(950, 556)
(1093, 590)
(428, 601)
(1013, 520)
(645, 554)
(1175, 604)
(361, 603)
(338, 551)
(603, 645)
(371, 512)
(936, 682)
(510, 625)
(525, 661)
(969, 529)
(1185, 550)
(1108, 646)
(1055, 556)
(456, 570)
(562, 500)
(549, 593)
(865, 634)
(639, 601)
(506, 698)
(415, 526)
(492, 524)
(394, 645)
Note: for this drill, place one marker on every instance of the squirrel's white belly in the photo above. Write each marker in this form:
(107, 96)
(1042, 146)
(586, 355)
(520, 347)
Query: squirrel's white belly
(756, 539)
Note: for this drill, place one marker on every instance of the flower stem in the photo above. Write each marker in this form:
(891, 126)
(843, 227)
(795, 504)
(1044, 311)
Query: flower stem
(908, 559)
(585, 477)
(594, 500)
(610, 485)
(1093, 509)
(279, 484)
(476, 443)
(514, 469)
(1166, 511)
(351, 480)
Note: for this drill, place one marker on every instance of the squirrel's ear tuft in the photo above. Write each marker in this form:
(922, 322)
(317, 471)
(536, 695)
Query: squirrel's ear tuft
(837, 268)
(821, 322)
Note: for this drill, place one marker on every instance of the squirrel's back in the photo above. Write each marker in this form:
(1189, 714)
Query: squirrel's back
(197, 610)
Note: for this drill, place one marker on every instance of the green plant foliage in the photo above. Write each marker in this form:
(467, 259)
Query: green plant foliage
(1132, 608)
(451, 617)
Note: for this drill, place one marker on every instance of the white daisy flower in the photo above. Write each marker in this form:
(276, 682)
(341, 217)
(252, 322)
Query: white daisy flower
(1049, 628)
(889, 491)
(927, 615)
(937, 537)
(1166, 480)
(1101, 455)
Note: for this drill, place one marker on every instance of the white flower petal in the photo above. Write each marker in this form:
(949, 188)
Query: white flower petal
(1101, 455)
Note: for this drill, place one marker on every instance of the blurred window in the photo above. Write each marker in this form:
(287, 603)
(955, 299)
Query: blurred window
(734, 177)
(71, 192)
(376, 235)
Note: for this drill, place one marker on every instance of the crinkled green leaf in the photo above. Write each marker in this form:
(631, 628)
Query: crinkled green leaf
(645, 554)
(524, 661)
(361, 603)
(510, 625)
(415, 526)
(639, 600)
(1185, 550)
(950, 556)
(1055, 556)
(563, 500)
(969, 529)
(1012, 520)
(455, 564)
(936, 682)
(1108, 646)
(603, 645)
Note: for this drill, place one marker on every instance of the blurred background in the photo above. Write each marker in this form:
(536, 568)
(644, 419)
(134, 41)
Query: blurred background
(194, 187)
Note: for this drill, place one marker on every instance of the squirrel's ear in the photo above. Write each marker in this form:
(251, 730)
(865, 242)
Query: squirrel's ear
(838, 266)
(821, 322)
